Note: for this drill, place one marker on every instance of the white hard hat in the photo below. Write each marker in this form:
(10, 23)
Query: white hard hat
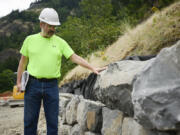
(49, 16)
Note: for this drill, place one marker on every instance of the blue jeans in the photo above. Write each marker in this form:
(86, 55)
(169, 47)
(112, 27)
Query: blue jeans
(37, 91)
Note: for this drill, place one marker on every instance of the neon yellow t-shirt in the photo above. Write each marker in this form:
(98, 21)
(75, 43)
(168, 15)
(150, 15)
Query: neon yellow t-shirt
(45, 55)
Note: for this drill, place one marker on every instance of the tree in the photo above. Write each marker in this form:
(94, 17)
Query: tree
(100, 8)
(11, 63)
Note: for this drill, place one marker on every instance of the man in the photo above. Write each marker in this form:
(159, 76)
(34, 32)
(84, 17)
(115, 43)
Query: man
(42, 53)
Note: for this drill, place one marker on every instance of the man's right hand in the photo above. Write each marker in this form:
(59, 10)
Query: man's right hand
(19, 87)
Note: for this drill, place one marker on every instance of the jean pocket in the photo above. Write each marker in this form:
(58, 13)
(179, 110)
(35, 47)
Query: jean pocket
(32, 87)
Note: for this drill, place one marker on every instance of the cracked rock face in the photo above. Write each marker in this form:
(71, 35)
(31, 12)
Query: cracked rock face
(113, 86)
(156, 91)
(112, 122)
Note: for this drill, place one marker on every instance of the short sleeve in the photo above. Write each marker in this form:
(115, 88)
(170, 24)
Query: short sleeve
(67, 50)
(24, 48)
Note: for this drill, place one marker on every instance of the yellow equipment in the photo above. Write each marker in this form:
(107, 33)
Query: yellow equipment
(16, 94)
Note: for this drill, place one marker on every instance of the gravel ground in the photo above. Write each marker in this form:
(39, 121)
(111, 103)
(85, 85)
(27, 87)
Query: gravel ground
(11, 120)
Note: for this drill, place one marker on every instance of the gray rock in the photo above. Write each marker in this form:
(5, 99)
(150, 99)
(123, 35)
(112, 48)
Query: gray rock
(90, 133)
(64, 129)
(156, 91)
(89, 115)
(155, 132)
(131, 127)
(71, 110)
(114, 85)
(66, 95)
(112, 122)
(178, 133)
(62, 108)
(76, 130)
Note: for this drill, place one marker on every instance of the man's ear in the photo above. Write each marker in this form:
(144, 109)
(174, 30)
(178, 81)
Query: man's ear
(41, 24)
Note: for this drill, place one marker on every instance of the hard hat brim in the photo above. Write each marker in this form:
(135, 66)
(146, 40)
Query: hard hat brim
(50, 23)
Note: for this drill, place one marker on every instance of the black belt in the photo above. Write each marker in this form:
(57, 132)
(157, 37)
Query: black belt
(42, 79)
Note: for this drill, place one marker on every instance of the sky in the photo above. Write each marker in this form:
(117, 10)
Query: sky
(6, 6)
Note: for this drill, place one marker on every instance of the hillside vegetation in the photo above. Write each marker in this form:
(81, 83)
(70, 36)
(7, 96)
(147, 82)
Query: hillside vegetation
(161, 30)
(87, 26)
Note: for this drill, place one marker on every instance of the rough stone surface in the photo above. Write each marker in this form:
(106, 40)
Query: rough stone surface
(89, 115)
(90, 133)
(156, 91)
(66, 95)
(178, 133)
(62, 108)
(155, 132)
(92, 118)
(114, 85)
(131, 127)
(64, 129)
(80, 87)
(76, 130)
(112, 122)
(71, 110)
(140, 58)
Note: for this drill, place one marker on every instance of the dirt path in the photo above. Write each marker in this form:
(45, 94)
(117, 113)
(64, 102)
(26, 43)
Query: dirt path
(11, 120)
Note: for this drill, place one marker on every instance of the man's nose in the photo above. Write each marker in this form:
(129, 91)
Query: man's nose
(52, 28)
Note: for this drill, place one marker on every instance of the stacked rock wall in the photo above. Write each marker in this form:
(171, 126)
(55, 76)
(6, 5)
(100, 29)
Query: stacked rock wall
(79, 116)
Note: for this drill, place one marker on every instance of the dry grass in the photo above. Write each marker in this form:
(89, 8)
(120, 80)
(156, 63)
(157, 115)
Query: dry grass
(161, 30)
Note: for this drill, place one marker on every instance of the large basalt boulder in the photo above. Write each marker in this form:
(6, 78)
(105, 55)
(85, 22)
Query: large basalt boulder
(113, 86)
(80, 87)
(156, 91)
(140, 58)
(131, 127)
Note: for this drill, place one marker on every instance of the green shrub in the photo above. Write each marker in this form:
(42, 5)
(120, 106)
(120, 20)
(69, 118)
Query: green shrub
(6, 80)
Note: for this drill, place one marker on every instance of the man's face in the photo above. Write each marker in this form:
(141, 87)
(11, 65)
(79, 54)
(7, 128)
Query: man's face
(47, 30)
